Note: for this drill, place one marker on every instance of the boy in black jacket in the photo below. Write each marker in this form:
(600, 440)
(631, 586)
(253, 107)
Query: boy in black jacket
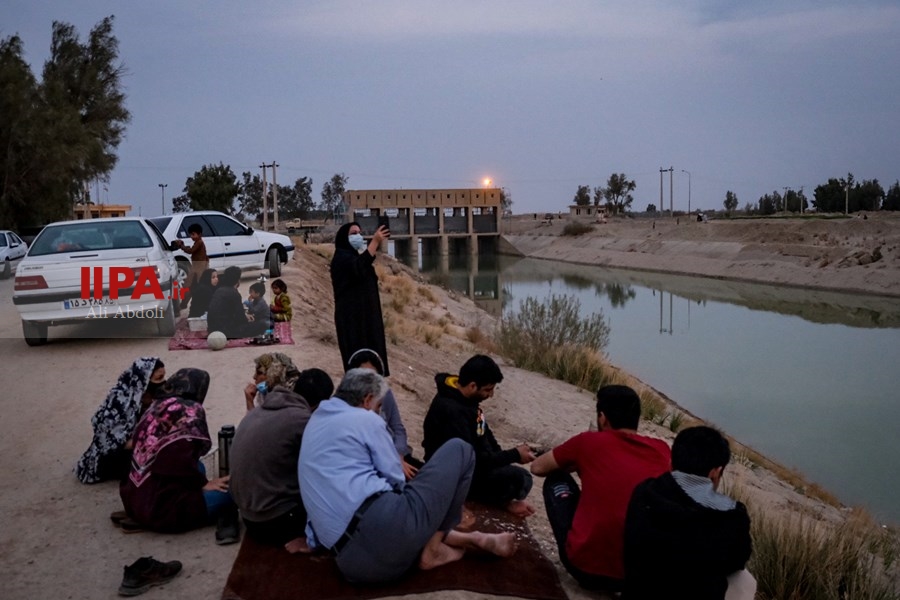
(456, 412)
(683, 539)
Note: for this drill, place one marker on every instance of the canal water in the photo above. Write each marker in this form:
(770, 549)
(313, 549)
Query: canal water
(808, 378)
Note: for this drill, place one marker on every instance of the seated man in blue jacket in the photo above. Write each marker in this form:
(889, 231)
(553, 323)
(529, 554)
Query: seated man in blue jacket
(455, 412)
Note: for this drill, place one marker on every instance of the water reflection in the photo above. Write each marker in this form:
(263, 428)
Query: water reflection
(801, 375)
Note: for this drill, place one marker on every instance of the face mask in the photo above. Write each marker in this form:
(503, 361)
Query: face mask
(357, 241)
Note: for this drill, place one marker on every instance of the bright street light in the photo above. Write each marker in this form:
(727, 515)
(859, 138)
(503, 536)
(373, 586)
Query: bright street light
(162, 189)
(487, 182)
(689, 190)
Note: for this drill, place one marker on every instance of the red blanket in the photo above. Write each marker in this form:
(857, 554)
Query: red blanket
(185, 339)
(269, 573)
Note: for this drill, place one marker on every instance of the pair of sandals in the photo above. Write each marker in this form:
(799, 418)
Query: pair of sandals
(121, 520)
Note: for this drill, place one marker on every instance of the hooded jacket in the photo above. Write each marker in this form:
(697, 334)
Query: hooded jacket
(264, 456)
(452, 415)
(678, 548)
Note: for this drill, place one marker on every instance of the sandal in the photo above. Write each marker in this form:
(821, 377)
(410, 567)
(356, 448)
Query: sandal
(117, 517)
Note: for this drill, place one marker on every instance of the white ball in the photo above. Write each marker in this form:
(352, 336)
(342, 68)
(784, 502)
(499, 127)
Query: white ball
(216, 340)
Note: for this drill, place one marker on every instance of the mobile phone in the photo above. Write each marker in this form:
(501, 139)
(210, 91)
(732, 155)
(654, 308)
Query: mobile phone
(384, 221)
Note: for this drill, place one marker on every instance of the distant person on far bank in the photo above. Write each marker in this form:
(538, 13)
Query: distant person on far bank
(588, 523)
(684, 539)
(456, 412)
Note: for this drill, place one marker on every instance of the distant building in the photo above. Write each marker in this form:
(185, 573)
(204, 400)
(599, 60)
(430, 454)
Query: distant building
(588, 211)
(100, 211)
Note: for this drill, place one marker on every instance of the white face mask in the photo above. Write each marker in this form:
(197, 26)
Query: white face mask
(357, 241)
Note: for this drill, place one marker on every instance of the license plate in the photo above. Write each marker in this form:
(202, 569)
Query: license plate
(85, 302)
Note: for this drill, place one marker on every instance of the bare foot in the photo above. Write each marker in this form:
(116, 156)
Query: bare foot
(520, 508)
(500, 544)
(435, 555)
(298, 546)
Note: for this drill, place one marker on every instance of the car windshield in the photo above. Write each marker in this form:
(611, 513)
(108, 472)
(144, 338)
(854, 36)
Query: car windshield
(2, 240)
(80, 236)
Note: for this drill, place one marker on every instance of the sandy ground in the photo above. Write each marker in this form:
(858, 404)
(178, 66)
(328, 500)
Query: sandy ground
(57, 540)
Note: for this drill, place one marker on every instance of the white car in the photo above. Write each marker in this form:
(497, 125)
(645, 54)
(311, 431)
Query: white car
(228, 242)
(12, 249)
(57, 282)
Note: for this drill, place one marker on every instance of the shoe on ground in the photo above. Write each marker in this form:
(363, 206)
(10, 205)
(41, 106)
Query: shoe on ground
(117, 517)
(228, 528)
(146, 572)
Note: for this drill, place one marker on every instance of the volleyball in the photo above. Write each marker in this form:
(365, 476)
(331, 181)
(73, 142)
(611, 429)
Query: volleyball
(216, 340)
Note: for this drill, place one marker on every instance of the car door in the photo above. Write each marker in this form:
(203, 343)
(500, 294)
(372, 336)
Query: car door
(17, 247)
(241, 248)
(214, 246)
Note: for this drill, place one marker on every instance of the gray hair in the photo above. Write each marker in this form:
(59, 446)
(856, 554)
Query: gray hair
(359, 383)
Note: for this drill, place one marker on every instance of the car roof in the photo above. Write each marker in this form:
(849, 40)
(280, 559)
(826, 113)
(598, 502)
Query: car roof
(103, 220)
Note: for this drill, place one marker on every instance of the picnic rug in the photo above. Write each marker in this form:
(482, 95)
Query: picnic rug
(185, 339)
(271, 573)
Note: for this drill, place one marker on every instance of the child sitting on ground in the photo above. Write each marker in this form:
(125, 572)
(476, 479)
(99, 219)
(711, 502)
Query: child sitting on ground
(256, 305)
(281, 305)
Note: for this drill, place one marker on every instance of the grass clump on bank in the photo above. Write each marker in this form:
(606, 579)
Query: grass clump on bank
(796, 556)
(552, 338)
(576, 228)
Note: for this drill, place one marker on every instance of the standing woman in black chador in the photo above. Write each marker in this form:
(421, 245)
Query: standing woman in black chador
(357, 305)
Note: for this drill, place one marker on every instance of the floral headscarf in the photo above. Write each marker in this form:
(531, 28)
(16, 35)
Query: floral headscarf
(179, 416)
(116, 417)
(279, 369)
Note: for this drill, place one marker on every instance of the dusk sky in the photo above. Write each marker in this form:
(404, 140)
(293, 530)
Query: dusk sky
(541, 97)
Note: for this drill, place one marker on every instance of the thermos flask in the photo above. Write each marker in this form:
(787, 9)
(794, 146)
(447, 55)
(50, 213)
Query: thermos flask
(226, 435)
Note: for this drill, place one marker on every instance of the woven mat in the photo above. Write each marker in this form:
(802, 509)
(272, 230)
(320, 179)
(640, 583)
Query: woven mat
(270, 573)
(185, 339)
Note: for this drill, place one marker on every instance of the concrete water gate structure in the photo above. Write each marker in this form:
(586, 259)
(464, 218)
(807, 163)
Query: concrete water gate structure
(448, 221)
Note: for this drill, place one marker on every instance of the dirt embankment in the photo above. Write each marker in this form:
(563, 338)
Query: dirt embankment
(860, 255)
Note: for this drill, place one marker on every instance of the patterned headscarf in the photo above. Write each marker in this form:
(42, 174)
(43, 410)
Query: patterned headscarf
(179, 416)
(117, 416)
(279, 369)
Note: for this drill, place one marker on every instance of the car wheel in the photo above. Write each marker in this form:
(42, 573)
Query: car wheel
(166, 324)
(182, 275)
(7, 270)
(35, 333)
(274, 263)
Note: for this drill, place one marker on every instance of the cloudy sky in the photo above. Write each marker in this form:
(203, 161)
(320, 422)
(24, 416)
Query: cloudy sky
(539, 96)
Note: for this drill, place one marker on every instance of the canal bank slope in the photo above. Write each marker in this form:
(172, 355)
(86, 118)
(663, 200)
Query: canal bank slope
(856, 254)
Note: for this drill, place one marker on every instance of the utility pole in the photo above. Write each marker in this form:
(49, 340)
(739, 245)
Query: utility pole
(274, 195)
(784, 198)
(847, 197)
(265, 207)
(162, 189)
(671, 176)
(662, 207)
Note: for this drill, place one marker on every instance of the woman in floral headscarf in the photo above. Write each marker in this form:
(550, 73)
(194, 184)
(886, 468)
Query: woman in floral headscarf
(272, 369)
(109, 455)
(167, 489)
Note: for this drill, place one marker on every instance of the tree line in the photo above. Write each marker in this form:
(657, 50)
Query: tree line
(59, 134)
(216, 187)
(616, 194)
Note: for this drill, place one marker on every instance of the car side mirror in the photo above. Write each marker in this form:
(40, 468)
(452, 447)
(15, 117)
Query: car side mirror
(248, 230)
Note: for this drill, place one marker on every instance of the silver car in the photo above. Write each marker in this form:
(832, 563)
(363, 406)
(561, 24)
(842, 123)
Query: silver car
(12, 250)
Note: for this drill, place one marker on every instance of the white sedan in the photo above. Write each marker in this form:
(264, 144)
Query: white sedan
(93, 269)
(12, 249)
(229, 243)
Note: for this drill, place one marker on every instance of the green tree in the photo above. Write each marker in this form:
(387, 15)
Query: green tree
(296, 201)
(333, 192)
(892, 198)
(506, 201)
(651, 208)
(867, 195)
(796, 200)
(730, 203)
(213, 187)
(249, 199)
(847, 193)
(618, 192)
(58, 136)
(830, 197)
(768, 204)
(583, 195)
(598, 195)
